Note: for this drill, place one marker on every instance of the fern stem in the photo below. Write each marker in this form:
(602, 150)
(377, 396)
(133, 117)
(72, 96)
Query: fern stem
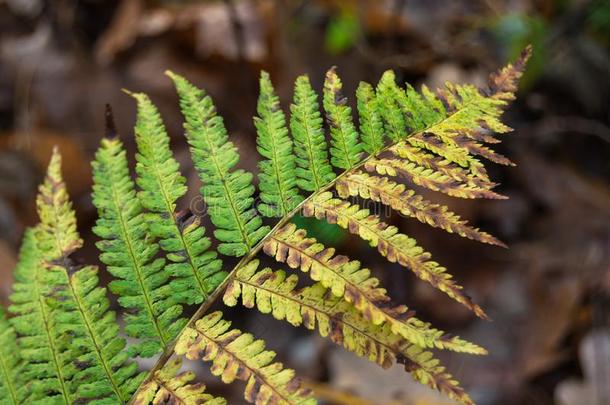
(206, 305)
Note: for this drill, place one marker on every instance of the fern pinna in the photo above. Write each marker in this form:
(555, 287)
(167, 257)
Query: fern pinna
(61, 343)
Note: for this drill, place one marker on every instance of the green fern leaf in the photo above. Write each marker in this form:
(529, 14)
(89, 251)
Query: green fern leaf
(390, 111)
(275, 293)
(93, 353)
(228, 194)
(167, 386)
(278, 178)
(38, 343)
(345, 147)
(347, 279)
(371, 123)
(236, 355)
(12, 388)
(143, 280)
(195, 267)
(313, 168)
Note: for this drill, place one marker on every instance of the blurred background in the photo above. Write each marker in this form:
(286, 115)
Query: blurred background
(548, 295)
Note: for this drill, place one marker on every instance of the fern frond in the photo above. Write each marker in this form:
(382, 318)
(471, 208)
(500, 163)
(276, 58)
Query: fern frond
(393, 245)
(196, 268)
(272, 292)
(440, 165)
(168, 387)
(347, 279)
(39, 345)
(371, 122)
(427, 178)
(278, 177)
(94, 354)
(105, 370)
(313, 168)
(12, 385)
(143, 280)
(227, 192)
(391, 113)
(502, 85)
(345, 147)
(409, 203)
(57, 235)
(236, 355)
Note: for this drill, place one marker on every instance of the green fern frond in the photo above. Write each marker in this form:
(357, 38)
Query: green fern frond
(38, 343)
(195, 267)
(12, 385)
(407, 202)
(278, 177)
(347, 279)
(371, 122)
(393, 117)
(272, 292)
(93, 354)
(169, 387)
(129, 253)
(236, 355)
(227, 192)
(345, 147)
(393, 245)
(310, 149)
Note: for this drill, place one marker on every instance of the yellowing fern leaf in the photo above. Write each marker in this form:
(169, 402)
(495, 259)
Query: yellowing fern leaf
(168, 387)
(314, 307)
(347, 279)
(236, 355)
(393, 245)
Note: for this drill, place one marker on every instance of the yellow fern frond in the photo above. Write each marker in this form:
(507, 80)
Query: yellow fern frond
(407, 202)
(272, 292)
(236, 355)
(57, 234)
(347, 279)
(438, 164)
(168, 387)
(428, 178)
(393, 245)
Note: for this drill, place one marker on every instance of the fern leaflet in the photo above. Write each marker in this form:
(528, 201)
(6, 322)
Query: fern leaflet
(235, 355)
(143, 280)
(167, 386)
(193, 264)
(227, 193)
(277, 176)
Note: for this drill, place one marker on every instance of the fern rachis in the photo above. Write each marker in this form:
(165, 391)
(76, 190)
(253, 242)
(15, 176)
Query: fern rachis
(162, 259)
